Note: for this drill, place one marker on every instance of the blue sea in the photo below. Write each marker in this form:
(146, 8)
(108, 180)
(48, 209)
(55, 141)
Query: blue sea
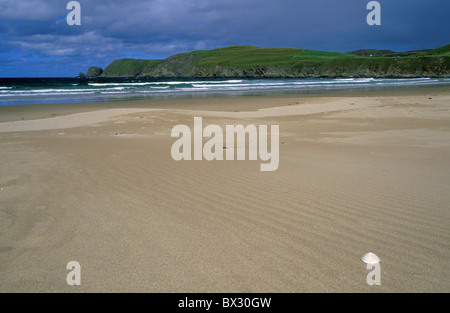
(21, 91)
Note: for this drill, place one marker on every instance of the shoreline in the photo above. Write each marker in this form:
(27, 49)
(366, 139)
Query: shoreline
(226, 103)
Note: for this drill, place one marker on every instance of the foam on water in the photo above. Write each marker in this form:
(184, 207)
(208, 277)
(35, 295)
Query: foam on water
(20, 91)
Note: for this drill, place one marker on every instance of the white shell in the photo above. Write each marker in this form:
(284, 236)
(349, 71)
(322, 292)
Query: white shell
(370, 258)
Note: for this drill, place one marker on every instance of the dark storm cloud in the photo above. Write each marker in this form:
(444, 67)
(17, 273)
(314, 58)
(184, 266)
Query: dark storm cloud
(34, 32)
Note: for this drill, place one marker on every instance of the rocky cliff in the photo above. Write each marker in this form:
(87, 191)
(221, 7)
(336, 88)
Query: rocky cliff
(254, 62)
(94, 72)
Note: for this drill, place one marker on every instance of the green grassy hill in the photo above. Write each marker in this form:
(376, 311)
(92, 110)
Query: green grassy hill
(255, 62)
(442, 51)
(249, 57)
(129, 67)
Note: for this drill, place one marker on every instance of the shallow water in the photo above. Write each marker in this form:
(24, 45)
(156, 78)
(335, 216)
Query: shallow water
(18, 91)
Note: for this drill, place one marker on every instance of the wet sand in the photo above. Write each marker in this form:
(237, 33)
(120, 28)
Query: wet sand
(96, 184)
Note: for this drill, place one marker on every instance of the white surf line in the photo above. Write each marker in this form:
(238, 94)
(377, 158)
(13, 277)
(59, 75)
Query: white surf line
(68, 121)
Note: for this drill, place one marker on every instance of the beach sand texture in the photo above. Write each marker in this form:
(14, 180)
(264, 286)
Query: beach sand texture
(358, 173)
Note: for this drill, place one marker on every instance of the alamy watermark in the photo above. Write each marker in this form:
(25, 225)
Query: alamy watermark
(373, 265)
(374, 277)
(74, 16)
(74, 276)
(214, 148)
(374, 17)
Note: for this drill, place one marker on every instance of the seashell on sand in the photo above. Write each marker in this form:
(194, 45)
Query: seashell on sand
(370, 258)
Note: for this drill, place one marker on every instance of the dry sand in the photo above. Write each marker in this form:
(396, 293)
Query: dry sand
(358, 173)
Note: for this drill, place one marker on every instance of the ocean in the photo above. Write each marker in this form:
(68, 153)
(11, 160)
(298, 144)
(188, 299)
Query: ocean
(21, 91)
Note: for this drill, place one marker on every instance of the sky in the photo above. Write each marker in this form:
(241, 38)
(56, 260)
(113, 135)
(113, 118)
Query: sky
(36, 40)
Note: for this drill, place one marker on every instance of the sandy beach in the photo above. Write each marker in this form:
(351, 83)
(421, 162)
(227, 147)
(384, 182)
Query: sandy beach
(358, 172)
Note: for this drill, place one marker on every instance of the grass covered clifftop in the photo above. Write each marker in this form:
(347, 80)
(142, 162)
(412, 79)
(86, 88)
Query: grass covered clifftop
(255, 62)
